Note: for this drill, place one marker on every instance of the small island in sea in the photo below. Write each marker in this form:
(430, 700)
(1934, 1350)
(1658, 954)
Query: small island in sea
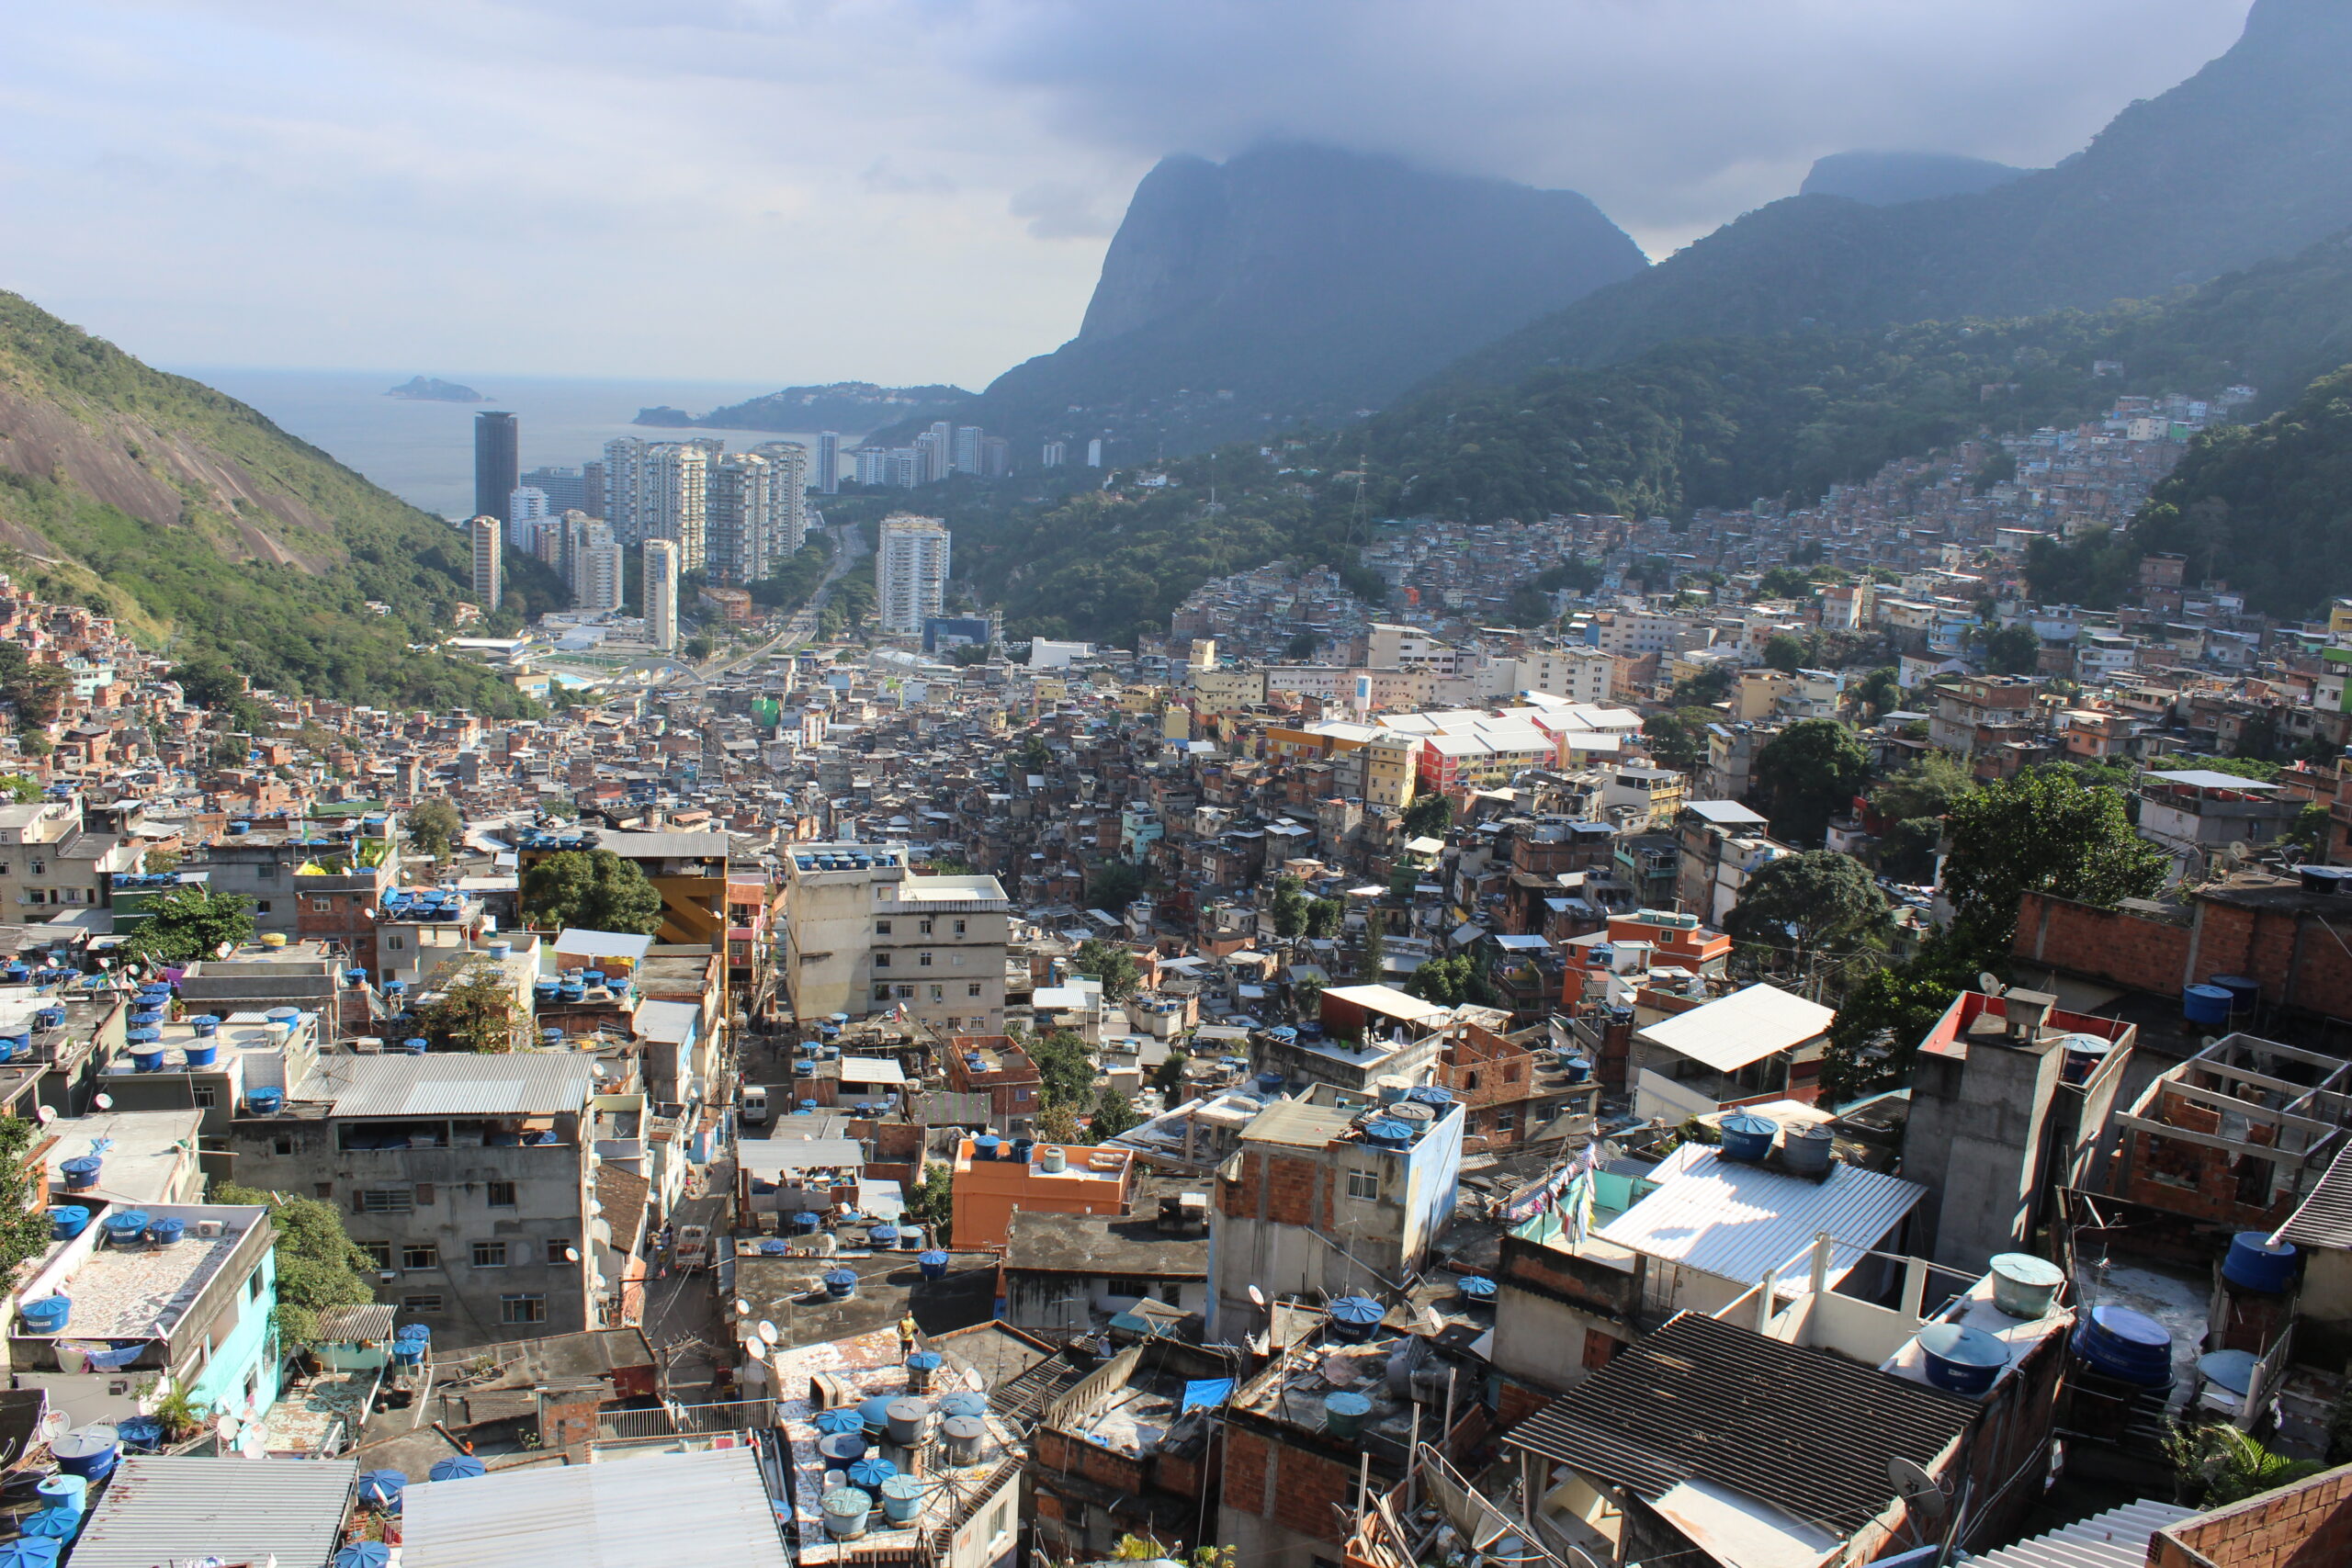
(433, 389)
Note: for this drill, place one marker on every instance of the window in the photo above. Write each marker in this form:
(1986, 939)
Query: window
(281, 1144)
(252, 1286)
(323, 1190)
(1470, 1083)
(41, 868)
(321, 906)
(1138, 1288)
(924, 960)
(523, 1309)
(959, 928)
(973, 989)
(206, 1095)
(1363, 1184)
(395, 942)
(489, 1254)
(261, 905)
(906, 993)
(378, 1252)
(881, 961)
(386, 1201)
(939, 993)
(422, 1304)
(881, 993)
(924, 928)
(557, 1247)
(500, 1194)
(420, 1255)
(996, 1521)
(881, 927)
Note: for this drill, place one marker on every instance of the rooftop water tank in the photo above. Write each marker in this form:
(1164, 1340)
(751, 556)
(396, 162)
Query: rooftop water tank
(1807, 1150)
(81, 1173)
(364, 1554)
(908, 1419)
(1053, 1159)
(67, 1221)
(71, 1493)
(1475, 1289)
(963, 1438)
(1356, 1319)
(871, 1472)
(841, 1450)
(2255, 1264)
(125, 1227)
(846, 1509)
(1962, 1359)
(963, 1402)
(1388, 1132)
(933, 1264)
(902, 1498)
(87, 1451)
(1344, 1411)
(47, 1315)
(2024, 1285)
(1747, 1136)
(921, 1366)
(266, 1101)
(456, 1467)
(2207, 1005)
(2244, 991)
(2127, 1345)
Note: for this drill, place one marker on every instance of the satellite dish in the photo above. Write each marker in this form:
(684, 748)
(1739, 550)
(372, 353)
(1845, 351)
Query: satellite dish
(767, 1332)
(103, 1103)
(1256, 1296)
(1989, 984)
(1917, 1487)
(55, 1425)
(227, 1428)
(742, 1307)
(572, 1255)
(45, 1115)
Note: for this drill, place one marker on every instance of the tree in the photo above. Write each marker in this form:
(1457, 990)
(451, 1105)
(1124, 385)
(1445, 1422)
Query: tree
(1708, 687)
(1067, 1067)
(933, 1204)
(1111, 963)
(1879, 692)
(1918, 799)
(2042, 832)
(1374, 952)
(159, 863)
(1784, 653)
(592, 890)
(1171, 1075)
(1057, 1123)
(1678, 737)
(1784, 582)
(1806, 774)
(1289, 908)
(19, 788)
(189, 922)
(699, 648)
(1445, 981)
(1300, 647)
(23, 1229)
(1308, 992)
(1429, 816)
(2013, 650)
(1035, 754)
(319, 1267)
(1880, 1022)
(1805, 908)
(1324, 918)
(476, 1014)
(1113, 885)
(435, 827)
(2214, 1464)
(1114, 1115)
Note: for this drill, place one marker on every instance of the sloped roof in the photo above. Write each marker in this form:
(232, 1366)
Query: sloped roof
(1747, 1026)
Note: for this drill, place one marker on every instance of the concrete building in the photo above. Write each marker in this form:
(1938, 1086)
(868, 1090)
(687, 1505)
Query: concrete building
(466, 1178)
(498, 468)
(663, 564)
(1756, 1044)
(788, 518)
(910, 572)
(54, 861)
(863, 935)
(829, 462)
(1313, 1203)
(527, 513)
(592, 563)
(1054, 1180)
(488, 563)
(739, 524)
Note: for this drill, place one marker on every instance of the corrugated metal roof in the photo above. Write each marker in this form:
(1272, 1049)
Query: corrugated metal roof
(1747, 1026)
(369, 1320)
(2117, 1539)
(241, 1510)
(450, 1083)
(1734, 1219)
(1807, 1432)
(2324, 1218)
(707, 1507)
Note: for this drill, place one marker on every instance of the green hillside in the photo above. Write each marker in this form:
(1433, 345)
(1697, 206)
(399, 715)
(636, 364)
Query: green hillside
(203, 527)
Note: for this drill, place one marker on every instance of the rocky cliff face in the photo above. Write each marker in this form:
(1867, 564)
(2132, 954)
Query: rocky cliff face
(2249, 159)
(1298, 282)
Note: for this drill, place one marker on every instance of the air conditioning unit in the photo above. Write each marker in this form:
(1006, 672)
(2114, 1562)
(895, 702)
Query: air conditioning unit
(388, 1275)
(207, 1228)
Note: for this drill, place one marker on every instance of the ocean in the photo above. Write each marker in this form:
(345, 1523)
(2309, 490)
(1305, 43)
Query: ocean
(423, 452)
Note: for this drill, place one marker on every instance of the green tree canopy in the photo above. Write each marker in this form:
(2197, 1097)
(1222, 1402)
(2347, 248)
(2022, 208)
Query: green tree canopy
(1111, 963)
(23, 1229)
(1804, 908)
(319, 1267)
(1288, 907)
(1784, 582)
(1875, 1036)
(1324, 918)
(476, 1013)
(1806, 774)
(1445, 981)
(2042, 832)
(592, 890)
(2013, 650)
(1113, 885)
(1784, 653)
(435, 827)
(1114, 1115)
(1429, 816)
(1678, 737)
(189, 922)
(1067, 1067)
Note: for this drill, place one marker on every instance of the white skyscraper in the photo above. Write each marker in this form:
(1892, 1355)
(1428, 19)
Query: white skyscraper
(527, 513)
(872, 465)
(490, 564)
(623, 456)
(910, 572)
(1094, 453)
(1055, 453)
(740, 522)
(829, 462)
(592, 562)
(968, 449)
(672, 497)
(942, 454)
(789, 460)
(661, 592)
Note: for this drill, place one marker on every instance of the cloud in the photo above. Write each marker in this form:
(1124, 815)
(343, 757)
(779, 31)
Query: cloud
(907, 190)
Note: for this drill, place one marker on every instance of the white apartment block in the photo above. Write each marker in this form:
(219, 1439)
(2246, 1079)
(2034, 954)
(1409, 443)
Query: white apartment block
(910, 572)
(788, 461)
(661, 592)
(739, 525)
(490, 563)
(862, 935)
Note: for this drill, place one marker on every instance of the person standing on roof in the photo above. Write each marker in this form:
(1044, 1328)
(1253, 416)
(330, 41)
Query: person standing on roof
(907, 1332)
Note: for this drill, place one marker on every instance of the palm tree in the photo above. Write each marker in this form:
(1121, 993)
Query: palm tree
(2216, 1465)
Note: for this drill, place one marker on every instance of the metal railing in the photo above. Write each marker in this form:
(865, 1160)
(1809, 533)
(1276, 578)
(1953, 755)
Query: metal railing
(686, 1420)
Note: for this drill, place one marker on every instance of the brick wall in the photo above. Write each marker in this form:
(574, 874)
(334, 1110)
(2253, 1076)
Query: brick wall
(2297, 960)
(2308, 1525)
(1299, 1491)
(1283, 1190)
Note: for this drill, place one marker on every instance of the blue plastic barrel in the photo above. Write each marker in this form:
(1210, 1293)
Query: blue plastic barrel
(51, 1524)
(2126, 1345)
(874, 1414)
(456, 1467)
(87, 1451)
(47, 1315)
(125, 1227)
(364, 1554)
(1356, 1319)
(200, 1056)
(1960, 1359)
(901, 1498)
(383, 1488)
(840, 1283)
(2255, 1265)
(871, 1472)
(80, 1172)
(933, 1264)
(2244, 991)
(984, 1146)
(1747, 1136)
(841, 1450)
(71, 1493)
(882, 1236)
(2205, 1004)
(167, 1231)
(266, 1101)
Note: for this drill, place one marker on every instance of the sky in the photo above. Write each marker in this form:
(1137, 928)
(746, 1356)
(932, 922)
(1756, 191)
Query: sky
(905, 191)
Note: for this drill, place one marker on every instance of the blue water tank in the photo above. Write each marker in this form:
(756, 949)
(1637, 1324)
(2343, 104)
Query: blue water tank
(840, 1283)
(71, 1493)
(1356, 1319)
(266, 1101)
(964, 1404)
(1747, 1136)
(1388, 1132)
(26, 1552)
(875, 1413)
(67, 1221)
(81, 1173)
(458, 1467)
(167, 1231)
(125, 1227)
(985, 1146)
(364, 1554)
(2126, 1345)
(839, 1419)
(841, 1450)
(902, 1498)
(2244, 991)
(871, 1472)
(51, 1524)
(47, 1315)
(882, 1236)
(2254, 1264)
(1962, 1360)
(933, 1264)
(2205, 1004)
(383, 1488)
(87, 1451)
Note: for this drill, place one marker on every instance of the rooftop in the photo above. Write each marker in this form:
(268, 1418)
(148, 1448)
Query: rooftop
(448, 1083)
(1734, 1220)
(1747, 1026)
(141, 1292)
(160, 1509)
(646, 1508)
